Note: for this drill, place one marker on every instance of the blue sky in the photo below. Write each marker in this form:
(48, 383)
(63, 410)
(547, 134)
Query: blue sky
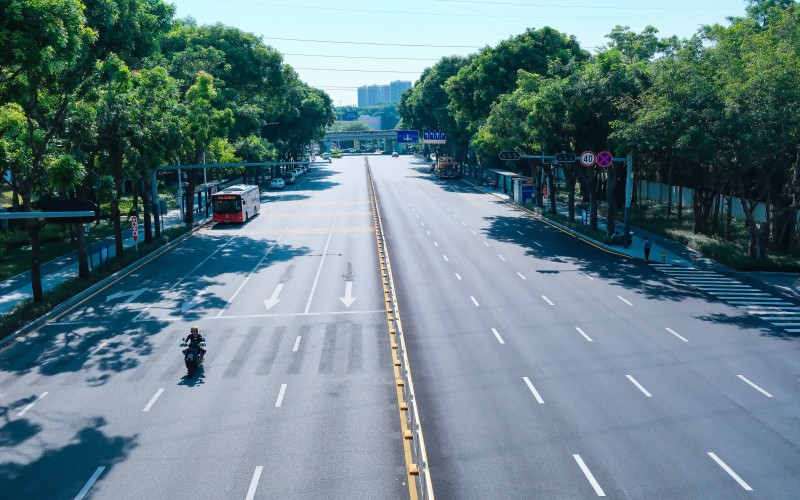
(397, 40)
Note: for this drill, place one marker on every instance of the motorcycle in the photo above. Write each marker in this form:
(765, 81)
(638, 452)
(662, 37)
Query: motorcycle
(191, 356)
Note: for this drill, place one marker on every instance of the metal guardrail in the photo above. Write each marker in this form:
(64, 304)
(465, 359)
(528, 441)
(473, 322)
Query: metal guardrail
(412, 430)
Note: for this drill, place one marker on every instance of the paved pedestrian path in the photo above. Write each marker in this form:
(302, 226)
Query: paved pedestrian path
(17, 289)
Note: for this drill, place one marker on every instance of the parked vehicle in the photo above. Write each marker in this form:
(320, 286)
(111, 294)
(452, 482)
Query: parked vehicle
(395, 154)
(289, 177)
(326, 156)
(446, 168)
(277, 183)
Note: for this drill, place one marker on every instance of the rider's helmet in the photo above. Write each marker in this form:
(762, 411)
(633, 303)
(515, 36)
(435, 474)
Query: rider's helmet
(195, 329)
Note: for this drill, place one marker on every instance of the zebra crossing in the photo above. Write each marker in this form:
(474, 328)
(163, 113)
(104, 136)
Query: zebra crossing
(780, 313)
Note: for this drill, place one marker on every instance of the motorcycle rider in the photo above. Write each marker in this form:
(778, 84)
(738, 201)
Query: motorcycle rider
(193, 338)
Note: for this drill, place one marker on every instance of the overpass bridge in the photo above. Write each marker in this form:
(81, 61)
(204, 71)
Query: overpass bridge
(360, 135)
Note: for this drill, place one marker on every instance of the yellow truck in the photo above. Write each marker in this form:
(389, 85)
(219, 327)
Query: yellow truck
(446, 168)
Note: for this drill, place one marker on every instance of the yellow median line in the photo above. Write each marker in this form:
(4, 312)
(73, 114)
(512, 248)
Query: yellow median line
(392, 311)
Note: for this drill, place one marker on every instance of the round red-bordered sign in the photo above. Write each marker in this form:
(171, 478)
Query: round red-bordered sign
(587, 158)
(604, 159)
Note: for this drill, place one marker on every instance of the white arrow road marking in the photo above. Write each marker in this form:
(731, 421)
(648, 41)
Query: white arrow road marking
(348, 298)
(131, 297)
(270, 302)
(196, 300)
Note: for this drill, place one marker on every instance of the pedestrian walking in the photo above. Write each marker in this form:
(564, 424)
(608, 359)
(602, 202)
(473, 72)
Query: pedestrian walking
(647, 246)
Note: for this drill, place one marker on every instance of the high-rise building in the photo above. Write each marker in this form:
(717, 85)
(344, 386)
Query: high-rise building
(375, 95)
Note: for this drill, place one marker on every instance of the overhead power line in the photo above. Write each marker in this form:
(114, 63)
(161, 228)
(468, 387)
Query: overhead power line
(375, 43)
(595, 6)
(392, 58)
(364, 70)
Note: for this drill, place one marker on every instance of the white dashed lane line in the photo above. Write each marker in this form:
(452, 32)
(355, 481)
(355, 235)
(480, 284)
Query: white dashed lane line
(521, 276)
(458, 276)
(639, 386)
(499, 338)
(586, 472)
(282, 392)
(153, 399)
(670, 330)
(589, 339)
(251, 491)
(547, 300)
(32, 404)
(445, 258)
(474, 301)
(730, 472)
(533, 390)
(623, 300)
(501, 257)
(89, 483)
(485, 243)
(754, 386)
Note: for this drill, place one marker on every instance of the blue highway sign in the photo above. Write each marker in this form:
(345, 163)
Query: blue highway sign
(407, 136)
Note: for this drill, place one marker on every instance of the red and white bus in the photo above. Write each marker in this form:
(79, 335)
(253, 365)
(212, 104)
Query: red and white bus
(236, 203)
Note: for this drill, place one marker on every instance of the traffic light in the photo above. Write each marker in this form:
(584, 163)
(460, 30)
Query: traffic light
(565, 157)
(509, 155)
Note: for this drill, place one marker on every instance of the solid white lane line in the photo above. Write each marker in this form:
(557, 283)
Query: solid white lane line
(279, 402)
(445, 258)
(153, 400)
(89, 483)
(670, 330)
(319, 270)
(754, 386)
(639, 386)
(623, 300)
(435, 243)
(521, 276)
(589, 476)
(499, 338)
(25, 410)
(520, 232)
(297, 343)
(584, 334)
(533, 390)
(458, 276)
(501, 257)
(547, 300)
(474, 301)
(589, 277)
(251, 491)
(485, 243)
(730, 472)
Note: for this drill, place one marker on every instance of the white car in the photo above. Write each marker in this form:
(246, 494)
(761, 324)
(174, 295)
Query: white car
(395, 154)
(277, 183)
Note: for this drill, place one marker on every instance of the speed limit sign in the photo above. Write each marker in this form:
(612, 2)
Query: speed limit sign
(587, 158)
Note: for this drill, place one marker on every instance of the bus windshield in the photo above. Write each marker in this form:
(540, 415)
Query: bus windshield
(227, 206)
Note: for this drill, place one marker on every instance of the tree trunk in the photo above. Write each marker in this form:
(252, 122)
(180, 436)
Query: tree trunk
(551, 189)
(83, 264)
(611, 188)
(115, 156)
(729, 215)
(147, 201)
(570, 178)
(669, 187)
(33, 227)
(680, 204)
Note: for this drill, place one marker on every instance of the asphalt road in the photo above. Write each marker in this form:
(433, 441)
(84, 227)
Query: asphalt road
(297, 396)
(548, 368)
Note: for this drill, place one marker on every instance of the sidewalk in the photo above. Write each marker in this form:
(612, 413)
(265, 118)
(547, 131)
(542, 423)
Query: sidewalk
(15, 290)
(672, 252)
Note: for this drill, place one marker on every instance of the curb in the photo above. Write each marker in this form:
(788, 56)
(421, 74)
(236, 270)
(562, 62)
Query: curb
(576, 234)
(71, 302)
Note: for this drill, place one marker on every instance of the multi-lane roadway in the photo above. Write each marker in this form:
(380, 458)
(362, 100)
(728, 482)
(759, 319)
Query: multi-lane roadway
(544, 367)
